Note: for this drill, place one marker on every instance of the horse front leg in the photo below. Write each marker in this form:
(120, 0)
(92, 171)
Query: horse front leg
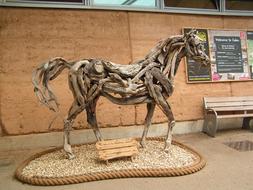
(147, 123)
(165, 107)
(92, 119)
(155, 91)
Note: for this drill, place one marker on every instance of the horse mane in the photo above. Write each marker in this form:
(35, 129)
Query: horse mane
(163, 47)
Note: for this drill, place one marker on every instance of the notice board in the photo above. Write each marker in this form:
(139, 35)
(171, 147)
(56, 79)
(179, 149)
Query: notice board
(230, 53)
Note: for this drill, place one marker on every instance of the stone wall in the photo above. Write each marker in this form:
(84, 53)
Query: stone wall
(29, 37)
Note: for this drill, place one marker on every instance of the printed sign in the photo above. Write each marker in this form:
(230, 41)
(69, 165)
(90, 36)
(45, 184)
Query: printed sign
(228, 53)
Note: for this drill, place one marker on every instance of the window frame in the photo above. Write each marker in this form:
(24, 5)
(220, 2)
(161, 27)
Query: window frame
(184, 9)
(43, 4)
(92, 4)
(229, 11)
(88, 4)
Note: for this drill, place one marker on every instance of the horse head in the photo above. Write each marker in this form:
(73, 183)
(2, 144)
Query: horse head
(195, 48)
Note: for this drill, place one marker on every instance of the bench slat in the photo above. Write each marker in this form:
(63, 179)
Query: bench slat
(228, 99)
(235, 116)
(232, 108)
(228, 104)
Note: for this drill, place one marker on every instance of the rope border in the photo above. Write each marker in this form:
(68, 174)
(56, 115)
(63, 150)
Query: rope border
(199, 163)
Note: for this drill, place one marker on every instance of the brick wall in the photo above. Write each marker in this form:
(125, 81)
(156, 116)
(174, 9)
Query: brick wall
(28, 37)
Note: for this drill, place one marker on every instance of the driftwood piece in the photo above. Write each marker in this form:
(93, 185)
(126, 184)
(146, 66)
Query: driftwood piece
(82, 85)
(163, 80)
(150, 85)
(123, 70)
(150, 81)
(143, 71)
(128, 100)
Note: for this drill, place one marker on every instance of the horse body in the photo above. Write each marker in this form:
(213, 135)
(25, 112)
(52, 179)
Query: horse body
(150, 81)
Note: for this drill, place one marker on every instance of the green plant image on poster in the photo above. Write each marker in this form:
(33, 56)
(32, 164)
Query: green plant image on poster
(250, 51)
(250, 47)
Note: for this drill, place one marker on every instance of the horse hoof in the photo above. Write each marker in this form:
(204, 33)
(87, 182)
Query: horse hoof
(167, 146)
(71, 156)
(143, 145)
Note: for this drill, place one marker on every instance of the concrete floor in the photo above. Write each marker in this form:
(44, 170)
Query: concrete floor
(226, 169)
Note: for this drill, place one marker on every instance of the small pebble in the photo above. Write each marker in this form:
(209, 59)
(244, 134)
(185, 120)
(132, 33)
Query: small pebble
(56, 164)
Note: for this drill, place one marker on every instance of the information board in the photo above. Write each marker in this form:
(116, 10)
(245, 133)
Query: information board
(228, 54)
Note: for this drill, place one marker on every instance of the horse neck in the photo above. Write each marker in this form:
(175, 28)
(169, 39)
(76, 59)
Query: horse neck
(180, 56)
(172, 61)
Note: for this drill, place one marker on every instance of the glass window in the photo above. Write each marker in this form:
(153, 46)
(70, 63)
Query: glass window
(134, 3)
(197, 4)
(244, 5)
(52, 1)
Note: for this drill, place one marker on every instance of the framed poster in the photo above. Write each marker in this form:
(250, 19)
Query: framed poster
(228, 54)
(196, 72)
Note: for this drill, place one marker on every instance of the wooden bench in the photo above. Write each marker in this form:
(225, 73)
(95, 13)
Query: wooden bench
(110, 149)
(226, 107)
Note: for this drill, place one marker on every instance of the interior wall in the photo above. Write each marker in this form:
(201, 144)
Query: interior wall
(29, 37)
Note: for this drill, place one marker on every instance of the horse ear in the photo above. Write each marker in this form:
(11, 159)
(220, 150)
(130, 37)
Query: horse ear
(194, 31)
(190, 33)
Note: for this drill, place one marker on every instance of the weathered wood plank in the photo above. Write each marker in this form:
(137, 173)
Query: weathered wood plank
(117, 150)
(114, 141)
(117, 145)
(118, 155)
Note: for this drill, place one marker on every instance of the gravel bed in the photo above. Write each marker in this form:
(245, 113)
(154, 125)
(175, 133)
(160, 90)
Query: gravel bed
(55, 164)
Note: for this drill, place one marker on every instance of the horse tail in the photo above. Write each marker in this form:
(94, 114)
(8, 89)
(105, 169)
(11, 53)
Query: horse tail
(41, 77)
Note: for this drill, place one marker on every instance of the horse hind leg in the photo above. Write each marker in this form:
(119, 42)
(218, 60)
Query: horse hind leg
(74, 110)
(66, 146)
(92, 119)
(169, 133)
(147, 123)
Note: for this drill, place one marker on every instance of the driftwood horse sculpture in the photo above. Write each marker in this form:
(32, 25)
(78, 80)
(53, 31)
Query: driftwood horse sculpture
(149, 81)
